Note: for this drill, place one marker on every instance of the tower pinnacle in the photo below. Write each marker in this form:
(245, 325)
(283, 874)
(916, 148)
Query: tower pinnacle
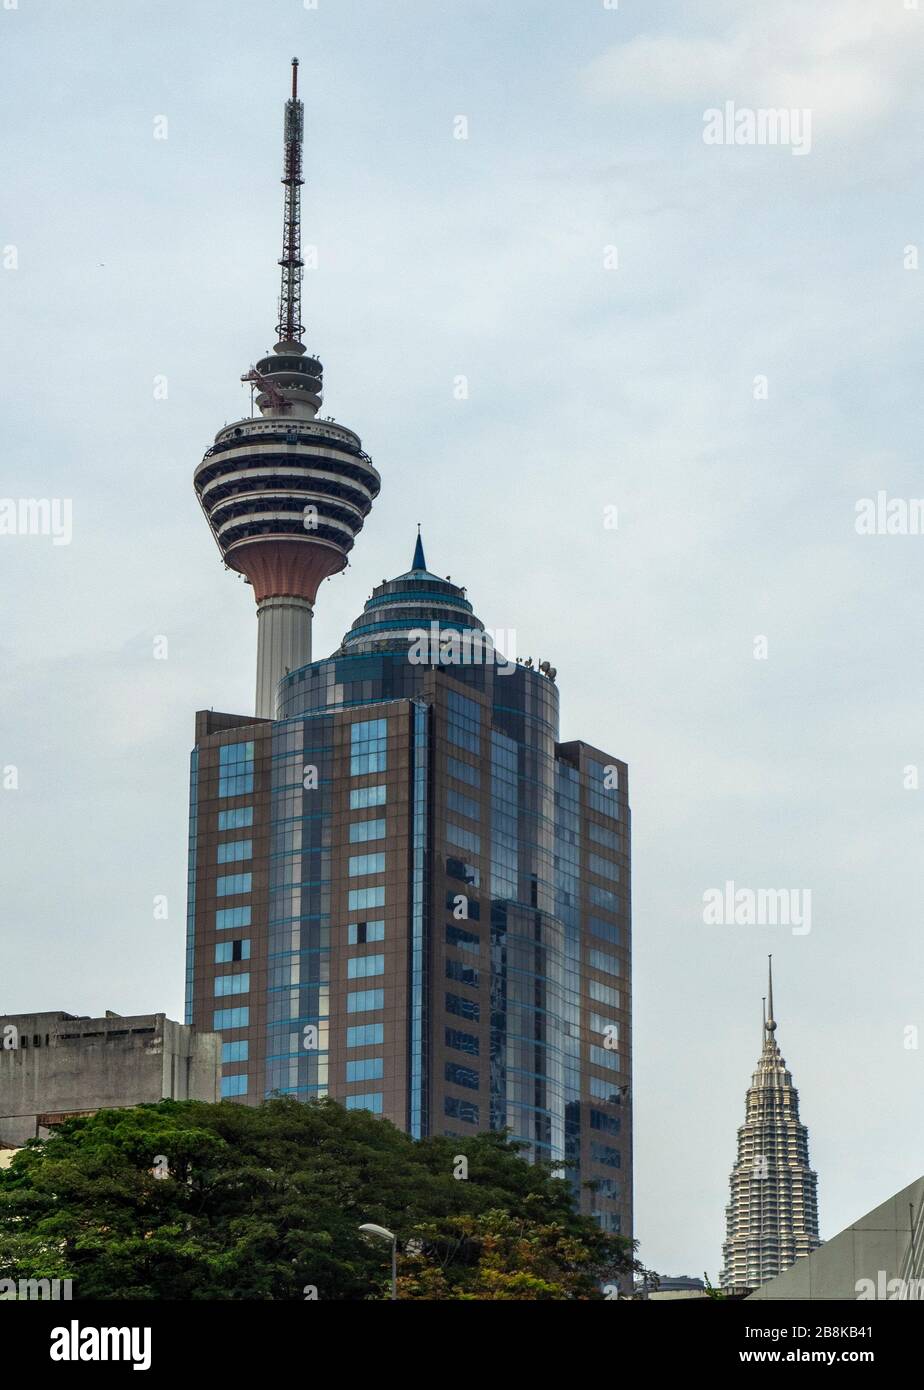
(771, 1021)
(289, 327)
(418, 563)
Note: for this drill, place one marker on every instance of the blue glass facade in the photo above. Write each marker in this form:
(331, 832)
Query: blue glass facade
(299, 922)
(437, 915)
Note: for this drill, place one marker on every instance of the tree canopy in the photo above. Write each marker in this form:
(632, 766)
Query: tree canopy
(186, 1200)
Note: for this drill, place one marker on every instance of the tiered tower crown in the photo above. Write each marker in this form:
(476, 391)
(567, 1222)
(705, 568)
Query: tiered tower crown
(772, 1217)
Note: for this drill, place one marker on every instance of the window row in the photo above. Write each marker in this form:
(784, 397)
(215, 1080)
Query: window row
(232, 984)
(232, 851)
(227, 951)
(363, 830)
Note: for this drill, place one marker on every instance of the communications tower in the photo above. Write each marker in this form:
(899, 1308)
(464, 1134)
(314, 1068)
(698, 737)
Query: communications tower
(284, 492)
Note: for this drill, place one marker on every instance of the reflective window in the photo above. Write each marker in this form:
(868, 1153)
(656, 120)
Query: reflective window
(600, 835)
(603, 994)
(226, 951)
(227, 917)
(238, 818)
(360, 967)
(365, 1069)
(232, 984)
(604, 1089)
(464, 722)
(459, 1109)
(371, 1101)
(363, 830)
(462, 1076)
(366, 897)
(230, 851)
(601, 794)
(362, 1000)
(363, 797)
(465, 974)
(235, 1051)
(602, 897)
(366, 864)
(228, 884)
(465, 940)
(367, 746)
(234, 1085)
(358, 933)
(230, 1018)
(463, 772)
(464, 805)
(468, 873)
(599, 960)
(465, 839)
(365, 1035)
(606, 931)
(235, 769)
(599, 1023)
(604, 867)
(462, 1042)
(464, 1008)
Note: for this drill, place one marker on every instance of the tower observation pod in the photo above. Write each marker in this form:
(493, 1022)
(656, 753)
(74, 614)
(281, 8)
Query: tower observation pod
(286, 494)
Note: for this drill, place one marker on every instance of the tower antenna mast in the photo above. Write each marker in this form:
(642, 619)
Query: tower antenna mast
(289, 327)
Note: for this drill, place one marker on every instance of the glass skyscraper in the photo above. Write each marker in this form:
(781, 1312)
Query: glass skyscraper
(407, 894)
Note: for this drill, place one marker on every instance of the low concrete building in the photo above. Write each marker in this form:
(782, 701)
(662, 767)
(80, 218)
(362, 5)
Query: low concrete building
(678, 1286)
(879, 1256)
(54, 1065)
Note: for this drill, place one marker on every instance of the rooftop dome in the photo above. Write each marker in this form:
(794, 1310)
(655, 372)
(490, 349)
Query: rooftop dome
(407, 603)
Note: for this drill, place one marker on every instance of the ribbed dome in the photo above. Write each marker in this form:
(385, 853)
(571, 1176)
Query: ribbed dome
(408, 603)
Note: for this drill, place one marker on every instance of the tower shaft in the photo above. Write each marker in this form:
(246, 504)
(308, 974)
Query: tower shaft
(283, 645)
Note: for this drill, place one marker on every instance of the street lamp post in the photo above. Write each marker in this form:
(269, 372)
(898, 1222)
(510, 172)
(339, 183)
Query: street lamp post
(370, 1229)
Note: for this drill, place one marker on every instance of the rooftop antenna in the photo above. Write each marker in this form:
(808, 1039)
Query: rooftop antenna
(771, 1021)
(290, 328)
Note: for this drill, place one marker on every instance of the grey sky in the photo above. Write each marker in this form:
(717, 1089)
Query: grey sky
(588, 388)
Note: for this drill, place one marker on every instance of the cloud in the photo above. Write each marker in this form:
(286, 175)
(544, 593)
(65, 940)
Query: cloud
(849, 62)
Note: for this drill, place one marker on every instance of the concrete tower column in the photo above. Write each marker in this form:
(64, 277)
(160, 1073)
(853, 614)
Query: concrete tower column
(283, 644)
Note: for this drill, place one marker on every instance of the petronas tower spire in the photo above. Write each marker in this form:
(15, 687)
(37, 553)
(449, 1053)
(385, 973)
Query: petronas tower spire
(772, 1217)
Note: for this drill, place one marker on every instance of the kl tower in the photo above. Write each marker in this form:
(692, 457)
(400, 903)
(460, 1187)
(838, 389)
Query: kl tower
(284, 493)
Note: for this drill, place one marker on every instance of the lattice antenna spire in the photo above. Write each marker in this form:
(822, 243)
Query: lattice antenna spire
(289, 327)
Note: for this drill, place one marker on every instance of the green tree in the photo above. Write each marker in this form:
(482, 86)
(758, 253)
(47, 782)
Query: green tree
(498, 1256)
(187, 1200)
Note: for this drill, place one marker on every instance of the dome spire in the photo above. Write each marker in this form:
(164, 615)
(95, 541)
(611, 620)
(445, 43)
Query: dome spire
(418, 563)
